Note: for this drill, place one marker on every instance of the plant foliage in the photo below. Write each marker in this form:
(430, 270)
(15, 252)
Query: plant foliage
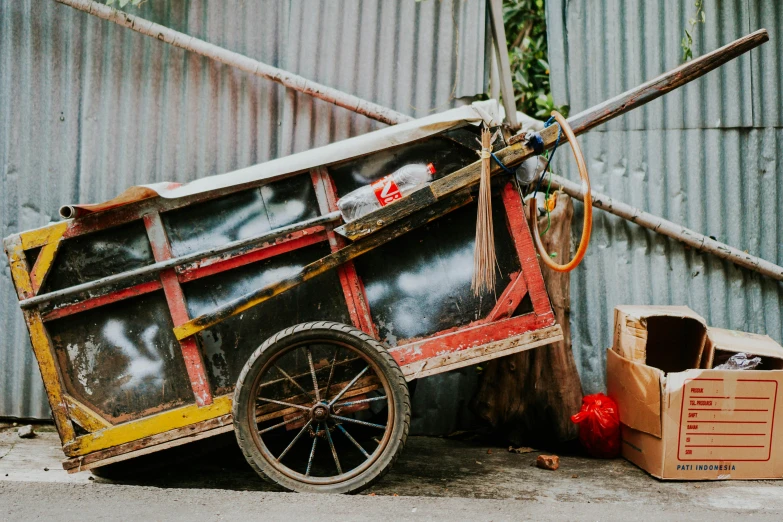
(525, 24)
(687, 41)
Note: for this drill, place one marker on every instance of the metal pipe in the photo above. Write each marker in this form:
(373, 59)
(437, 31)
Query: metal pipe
(240, 61)
(673, 230)
(156, 268)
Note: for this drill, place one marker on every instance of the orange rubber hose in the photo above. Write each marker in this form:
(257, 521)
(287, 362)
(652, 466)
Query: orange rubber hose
(587, 226)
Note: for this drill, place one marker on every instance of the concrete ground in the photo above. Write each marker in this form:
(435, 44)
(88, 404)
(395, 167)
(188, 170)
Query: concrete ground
(435, 479)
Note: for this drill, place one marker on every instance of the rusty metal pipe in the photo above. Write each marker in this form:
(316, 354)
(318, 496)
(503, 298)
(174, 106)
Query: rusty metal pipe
(673, 230)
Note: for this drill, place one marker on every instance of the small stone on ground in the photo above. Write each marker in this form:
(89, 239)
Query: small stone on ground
(551, 462)
(26, 432)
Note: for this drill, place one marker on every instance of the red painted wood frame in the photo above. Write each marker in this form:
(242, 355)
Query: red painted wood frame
(498, 325)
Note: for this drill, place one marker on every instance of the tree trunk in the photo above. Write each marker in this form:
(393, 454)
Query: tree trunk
(529, 397)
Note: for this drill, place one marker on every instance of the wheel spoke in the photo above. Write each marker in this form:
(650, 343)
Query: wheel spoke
(334, 451)
(312, 373)
(281, 403)
(289, 421)
(294, 382)
(362, 401)
(331, 372)
(348, 435)
(312, 451)
(298, 435)
(355, 421)
(353, 381)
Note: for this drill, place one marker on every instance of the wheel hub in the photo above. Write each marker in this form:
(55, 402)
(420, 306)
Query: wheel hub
(320, 412)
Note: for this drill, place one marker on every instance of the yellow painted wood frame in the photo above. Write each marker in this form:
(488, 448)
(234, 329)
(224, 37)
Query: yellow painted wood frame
(147, 426)
(39, 338)
(49, 239)
(84, 416)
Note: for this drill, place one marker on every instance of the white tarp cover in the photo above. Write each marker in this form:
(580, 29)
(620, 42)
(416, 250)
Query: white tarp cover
(474, 114)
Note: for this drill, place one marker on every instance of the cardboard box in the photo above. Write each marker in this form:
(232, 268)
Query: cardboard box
(695, 424)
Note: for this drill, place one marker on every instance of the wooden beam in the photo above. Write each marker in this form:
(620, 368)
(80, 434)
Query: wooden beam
(517, 152)
(84, 416)
(148, 426)
(485, 352)
(178, 308)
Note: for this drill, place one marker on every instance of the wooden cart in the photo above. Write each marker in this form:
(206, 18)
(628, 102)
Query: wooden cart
(146, 314)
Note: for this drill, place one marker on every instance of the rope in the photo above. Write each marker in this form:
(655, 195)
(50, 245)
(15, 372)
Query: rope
(502, 166)
(548, 123)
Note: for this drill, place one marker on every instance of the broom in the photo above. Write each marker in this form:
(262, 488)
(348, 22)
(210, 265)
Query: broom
(484, 259)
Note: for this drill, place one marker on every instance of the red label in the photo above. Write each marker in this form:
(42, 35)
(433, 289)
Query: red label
(386, 190)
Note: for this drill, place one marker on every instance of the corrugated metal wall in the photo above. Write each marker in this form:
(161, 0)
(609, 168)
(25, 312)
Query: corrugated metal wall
(705, 156)
(88, 108)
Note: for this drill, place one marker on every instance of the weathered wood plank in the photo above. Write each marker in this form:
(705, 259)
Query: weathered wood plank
(84, 416)
(147, 426)
(485, 352)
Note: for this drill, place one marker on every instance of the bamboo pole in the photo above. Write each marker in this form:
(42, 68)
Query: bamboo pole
(673, 230)
(240, 61)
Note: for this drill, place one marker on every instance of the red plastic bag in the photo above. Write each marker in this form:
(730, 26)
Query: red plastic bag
(599, 426)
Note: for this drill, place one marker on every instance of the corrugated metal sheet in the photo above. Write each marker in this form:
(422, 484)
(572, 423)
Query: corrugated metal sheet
(88, 108)
(706, 158)
(601, 48)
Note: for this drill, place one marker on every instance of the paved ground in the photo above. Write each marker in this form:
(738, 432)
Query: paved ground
(435, 479)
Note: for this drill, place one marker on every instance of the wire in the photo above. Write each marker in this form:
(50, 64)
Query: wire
(544, 172)
(551, 154)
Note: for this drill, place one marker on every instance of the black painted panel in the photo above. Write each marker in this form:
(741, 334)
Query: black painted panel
(419, 284)
(123, 358)
(100, 254)
(228, 345)
(238, 216)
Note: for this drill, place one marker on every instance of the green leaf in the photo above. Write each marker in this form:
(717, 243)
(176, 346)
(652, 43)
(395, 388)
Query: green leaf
(123, 3)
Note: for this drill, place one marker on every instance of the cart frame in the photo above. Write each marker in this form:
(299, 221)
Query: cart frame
(496, 335)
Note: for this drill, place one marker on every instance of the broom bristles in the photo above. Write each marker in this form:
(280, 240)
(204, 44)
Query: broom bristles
(484, 259)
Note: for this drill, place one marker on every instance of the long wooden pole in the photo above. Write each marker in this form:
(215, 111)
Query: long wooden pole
(516, 153)
(504, 68)
(240, 61)
(673, 230)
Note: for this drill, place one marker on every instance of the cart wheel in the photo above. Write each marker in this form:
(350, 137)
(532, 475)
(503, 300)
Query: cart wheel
(322, 408)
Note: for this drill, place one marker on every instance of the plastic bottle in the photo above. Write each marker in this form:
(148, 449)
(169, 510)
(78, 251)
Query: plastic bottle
(386, 190)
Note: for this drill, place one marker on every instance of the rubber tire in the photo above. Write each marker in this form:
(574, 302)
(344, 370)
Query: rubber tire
(313, 331)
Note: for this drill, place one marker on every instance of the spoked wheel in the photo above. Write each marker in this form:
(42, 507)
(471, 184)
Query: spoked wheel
(321, 407)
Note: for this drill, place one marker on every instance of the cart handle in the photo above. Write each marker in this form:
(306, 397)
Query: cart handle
(587, 226)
